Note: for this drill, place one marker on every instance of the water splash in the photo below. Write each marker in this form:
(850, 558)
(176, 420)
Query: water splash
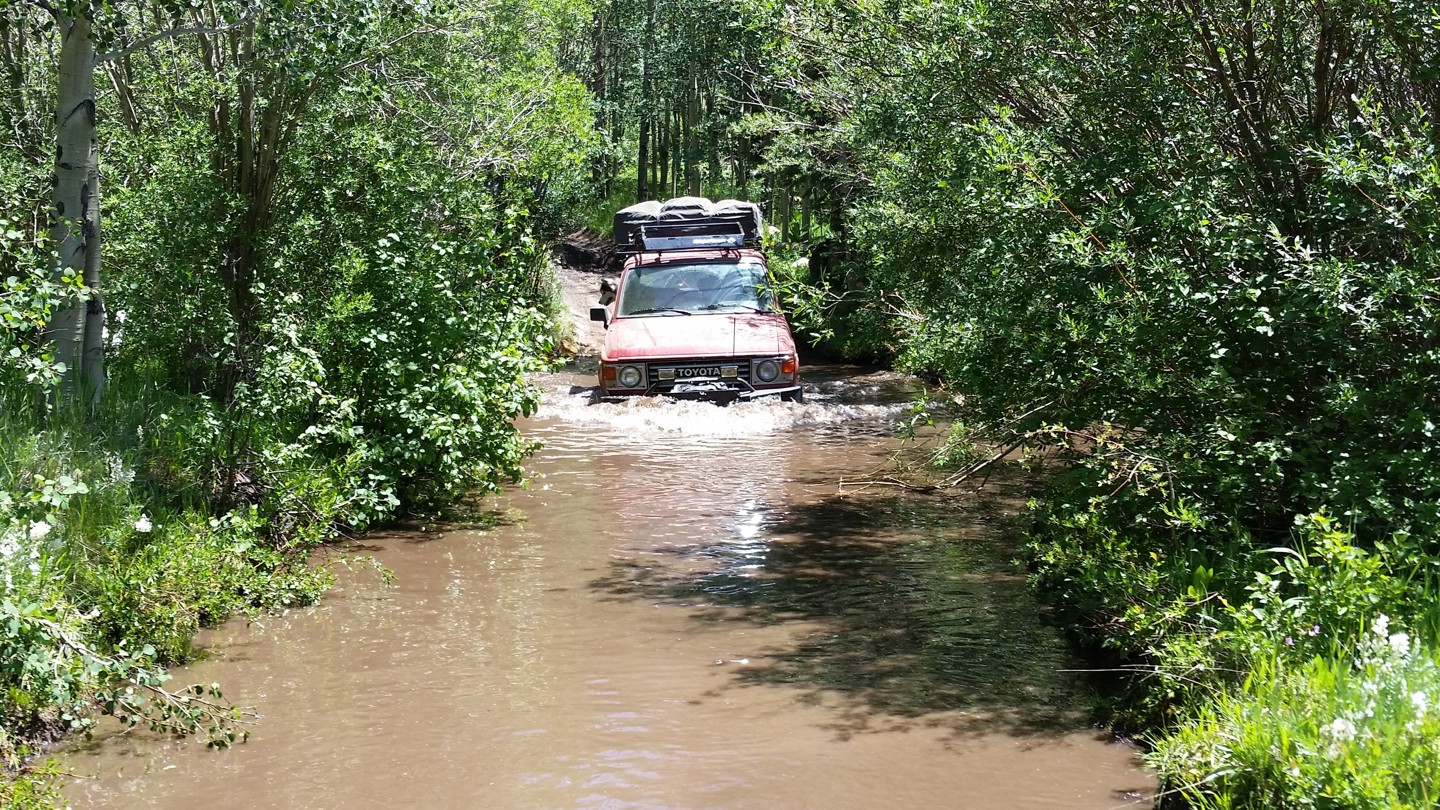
(874, 401)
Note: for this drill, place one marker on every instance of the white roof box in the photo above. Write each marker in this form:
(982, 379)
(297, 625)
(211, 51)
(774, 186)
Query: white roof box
(687, 222)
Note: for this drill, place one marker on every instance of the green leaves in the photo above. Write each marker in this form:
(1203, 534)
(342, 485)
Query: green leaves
(1206, 238)
(28, 296)
(326, 240)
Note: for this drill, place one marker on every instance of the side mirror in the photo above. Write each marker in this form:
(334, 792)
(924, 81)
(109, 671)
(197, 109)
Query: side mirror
(601, 314)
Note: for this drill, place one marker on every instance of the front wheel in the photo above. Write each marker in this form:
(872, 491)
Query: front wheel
(798, 395)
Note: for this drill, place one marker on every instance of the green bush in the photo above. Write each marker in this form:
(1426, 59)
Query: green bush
(1215, 307)
(289, 360)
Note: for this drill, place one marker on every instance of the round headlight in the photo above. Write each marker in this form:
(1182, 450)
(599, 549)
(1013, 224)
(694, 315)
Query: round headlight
(630, 377)
(767, 370)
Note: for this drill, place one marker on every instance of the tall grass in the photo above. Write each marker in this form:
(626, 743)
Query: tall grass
(1354, 729)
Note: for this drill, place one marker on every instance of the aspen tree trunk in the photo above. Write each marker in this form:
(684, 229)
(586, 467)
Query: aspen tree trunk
(782, 211)
(712, 138)
(805, 211)
(599, 168)
(773, 193)
(691, 125)
(75, 330)
(662, 154)
(643, 189)
(92, 362)
(677, 147)
(617, 120)
(742, 162)
(642, 168)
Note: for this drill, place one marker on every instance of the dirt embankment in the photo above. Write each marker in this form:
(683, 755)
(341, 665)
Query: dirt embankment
(584, 260)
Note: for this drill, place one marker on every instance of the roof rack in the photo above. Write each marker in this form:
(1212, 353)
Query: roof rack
(692, 235)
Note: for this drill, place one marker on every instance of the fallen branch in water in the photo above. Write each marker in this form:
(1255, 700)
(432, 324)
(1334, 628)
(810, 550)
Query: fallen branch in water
(984, 465)
(126, 683)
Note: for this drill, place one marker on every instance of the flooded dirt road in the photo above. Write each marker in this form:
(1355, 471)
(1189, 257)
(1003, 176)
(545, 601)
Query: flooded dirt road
(678, 613)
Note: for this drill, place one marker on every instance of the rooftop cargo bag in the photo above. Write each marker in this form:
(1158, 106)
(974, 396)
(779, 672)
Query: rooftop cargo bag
(628, 222)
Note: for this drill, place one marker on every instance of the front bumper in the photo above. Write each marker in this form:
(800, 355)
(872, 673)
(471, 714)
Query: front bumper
(705, 392)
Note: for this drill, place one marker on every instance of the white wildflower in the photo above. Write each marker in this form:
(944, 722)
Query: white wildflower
(1400, 643)
(119, 473)
(1420, 701)
(1381, 627)
(39, 530)
(35, 569)
(143, 525)
(1341, 730)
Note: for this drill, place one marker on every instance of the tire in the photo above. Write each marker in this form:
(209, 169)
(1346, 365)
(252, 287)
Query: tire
(798, 395)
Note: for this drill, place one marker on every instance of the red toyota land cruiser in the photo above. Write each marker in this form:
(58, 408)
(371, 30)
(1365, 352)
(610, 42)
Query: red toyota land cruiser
(694, 314)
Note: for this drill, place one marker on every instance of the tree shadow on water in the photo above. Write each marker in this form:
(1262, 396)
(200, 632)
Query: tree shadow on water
(906, 613)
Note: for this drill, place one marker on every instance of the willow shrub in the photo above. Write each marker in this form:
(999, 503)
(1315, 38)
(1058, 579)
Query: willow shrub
(1193, 250)
(1219, 344)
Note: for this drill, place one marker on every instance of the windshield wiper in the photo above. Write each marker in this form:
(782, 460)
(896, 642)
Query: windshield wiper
(660, 309)
(750, 307)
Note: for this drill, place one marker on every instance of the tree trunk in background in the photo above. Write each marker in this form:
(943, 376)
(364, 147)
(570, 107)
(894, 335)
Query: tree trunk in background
(92, 363)
(599, 168)
(642, 162)
(644, 189)
(677, 149)
(75, 228)
(742, 162)
(15, 106)
(782, 210)
(662, 155)
(250, 139)
(690, 124)
(805, 211)
(712, 139)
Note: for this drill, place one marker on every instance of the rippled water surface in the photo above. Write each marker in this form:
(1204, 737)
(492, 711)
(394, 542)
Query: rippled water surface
(679, 612)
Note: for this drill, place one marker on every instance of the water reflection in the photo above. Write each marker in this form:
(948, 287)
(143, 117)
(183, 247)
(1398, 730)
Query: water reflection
(906, 612)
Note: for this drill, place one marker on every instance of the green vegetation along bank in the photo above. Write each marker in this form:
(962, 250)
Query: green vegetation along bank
(1191, 249)
(294, 291)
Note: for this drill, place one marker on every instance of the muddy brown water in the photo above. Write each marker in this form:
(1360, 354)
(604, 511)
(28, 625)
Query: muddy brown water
(679, 612)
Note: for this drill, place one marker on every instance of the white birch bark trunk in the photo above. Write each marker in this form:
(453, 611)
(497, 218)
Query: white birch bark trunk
(92, 361)
(75, 227)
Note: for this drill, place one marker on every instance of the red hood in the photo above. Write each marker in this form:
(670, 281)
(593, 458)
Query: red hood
(717, 335)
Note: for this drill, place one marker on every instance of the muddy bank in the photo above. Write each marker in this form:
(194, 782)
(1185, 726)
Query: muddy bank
(581, 266)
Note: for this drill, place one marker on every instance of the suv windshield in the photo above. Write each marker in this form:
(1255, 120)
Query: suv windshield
(702, 287)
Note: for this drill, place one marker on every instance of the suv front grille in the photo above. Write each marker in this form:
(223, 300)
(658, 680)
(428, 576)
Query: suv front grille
(654, 383)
